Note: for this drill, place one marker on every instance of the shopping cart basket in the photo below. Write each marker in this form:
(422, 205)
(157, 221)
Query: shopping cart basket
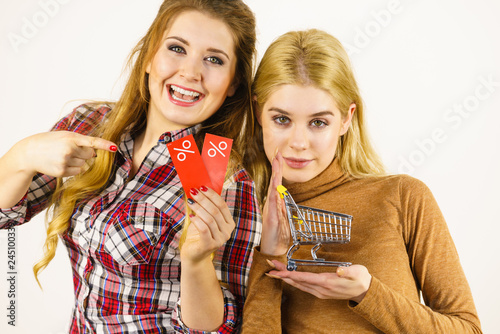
(309, 226)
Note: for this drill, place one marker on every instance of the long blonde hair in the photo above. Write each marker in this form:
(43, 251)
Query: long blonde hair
(233, 119)
(314, 57)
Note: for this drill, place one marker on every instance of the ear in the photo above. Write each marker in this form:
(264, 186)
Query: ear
(346, 122)
(148, 68)
(256, 110)
(234, 86)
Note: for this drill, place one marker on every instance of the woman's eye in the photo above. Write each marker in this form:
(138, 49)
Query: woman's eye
(281, 120)
(318, 123)
(215, 60)
(176, 49)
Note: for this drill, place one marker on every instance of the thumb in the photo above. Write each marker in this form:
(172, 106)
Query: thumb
(353, 272)
(344, 272)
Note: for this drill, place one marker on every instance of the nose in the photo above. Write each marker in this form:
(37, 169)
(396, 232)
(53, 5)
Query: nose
(191, 69)
(298, 140)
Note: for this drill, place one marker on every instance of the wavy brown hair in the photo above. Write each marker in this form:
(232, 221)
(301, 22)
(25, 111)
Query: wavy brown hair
(233, 119)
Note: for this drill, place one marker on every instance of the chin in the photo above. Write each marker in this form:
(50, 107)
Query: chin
(296, 178)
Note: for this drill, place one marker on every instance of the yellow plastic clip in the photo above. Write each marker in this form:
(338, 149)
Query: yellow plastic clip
(282, 190)
(300, 221)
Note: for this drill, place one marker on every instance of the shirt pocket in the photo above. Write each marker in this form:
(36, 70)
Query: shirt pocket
(134, 234)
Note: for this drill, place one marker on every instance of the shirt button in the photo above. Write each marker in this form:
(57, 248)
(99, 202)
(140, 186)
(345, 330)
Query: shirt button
(168, 138)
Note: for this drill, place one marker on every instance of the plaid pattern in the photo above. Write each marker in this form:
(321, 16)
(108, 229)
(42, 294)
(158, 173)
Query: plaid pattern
(123, 244)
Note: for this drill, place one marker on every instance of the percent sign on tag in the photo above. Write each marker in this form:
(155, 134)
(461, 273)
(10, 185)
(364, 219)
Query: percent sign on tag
(189, 164)
(215, 155)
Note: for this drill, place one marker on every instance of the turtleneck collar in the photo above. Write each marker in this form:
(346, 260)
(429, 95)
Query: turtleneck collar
(328, 179)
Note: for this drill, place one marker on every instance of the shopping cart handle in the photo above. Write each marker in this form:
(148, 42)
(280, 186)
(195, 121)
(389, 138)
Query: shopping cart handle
(282, 190)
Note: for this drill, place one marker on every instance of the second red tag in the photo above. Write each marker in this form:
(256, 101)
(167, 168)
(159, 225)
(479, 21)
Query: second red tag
(215, 155)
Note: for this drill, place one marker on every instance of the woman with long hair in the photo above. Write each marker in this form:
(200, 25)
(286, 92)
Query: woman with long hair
(115, 197)
(311, 125)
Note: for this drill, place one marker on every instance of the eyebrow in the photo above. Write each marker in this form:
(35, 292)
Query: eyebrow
(215, 50)
(317, 114)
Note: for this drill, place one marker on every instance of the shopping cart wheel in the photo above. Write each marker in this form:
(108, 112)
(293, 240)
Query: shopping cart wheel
(291, 266)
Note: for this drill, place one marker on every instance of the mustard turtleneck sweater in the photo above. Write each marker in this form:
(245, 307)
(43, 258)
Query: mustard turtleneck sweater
(400, 235)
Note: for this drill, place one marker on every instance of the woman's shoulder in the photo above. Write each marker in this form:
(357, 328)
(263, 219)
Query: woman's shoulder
(85, 118)
(401, 183)
(402, 179)
(239, 190)
(238, 174)
(407, 186)
(238, 180)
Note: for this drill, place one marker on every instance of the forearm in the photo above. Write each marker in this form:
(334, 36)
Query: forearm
(202, 302)
(391, 312)
(15, 177)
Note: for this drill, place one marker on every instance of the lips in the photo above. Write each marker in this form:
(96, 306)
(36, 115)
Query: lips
(183, 96)
(297, 163)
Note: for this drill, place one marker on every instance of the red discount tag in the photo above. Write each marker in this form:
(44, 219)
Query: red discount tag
(189, 164)
(215, 155)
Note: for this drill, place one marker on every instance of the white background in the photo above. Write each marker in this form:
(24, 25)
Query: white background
(418, 64)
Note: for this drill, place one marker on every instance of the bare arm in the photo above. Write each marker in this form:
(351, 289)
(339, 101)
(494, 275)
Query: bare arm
(15, 175)
(57, 154)
(202, 302)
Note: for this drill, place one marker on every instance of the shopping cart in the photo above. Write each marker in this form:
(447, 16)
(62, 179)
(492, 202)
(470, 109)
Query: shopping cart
(309, 226)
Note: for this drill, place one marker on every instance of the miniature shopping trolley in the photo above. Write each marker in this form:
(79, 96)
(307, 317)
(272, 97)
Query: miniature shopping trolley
(309, 226)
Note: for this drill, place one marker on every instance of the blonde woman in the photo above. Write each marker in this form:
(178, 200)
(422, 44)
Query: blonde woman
(311, 124)
(118, 205)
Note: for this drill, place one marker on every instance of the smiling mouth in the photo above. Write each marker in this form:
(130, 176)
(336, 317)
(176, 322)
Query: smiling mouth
(183, 95)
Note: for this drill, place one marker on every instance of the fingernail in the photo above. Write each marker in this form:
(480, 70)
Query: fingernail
(113, 148)
(271, 264)
(191, 215)
(272, 276)
(193, 191)
(340, 271)
(203, 188)
(190, 201)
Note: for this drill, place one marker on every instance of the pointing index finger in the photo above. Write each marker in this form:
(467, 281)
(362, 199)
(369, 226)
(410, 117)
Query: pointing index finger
(95, 143)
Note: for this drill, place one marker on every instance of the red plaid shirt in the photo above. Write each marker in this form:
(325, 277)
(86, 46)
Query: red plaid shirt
(123, 244)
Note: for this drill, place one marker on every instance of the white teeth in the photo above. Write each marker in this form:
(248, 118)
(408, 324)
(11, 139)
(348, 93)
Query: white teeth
(179, 99)
(184, 92)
